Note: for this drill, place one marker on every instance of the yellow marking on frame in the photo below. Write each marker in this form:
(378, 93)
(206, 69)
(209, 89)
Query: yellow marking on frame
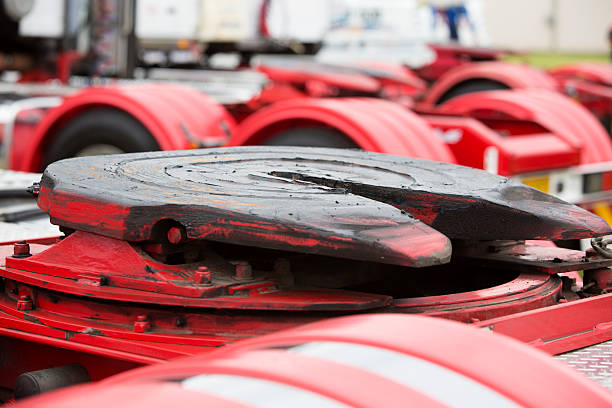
(540, 183)
(603, 210)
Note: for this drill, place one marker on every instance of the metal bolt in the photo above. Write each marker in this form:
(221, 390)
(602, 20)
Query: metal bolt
(21, 249)
(175, 235)
(282, 271)
(141, 324)
(202, 276)
(34, 189)
(25, 303)
(282, 266)
(243, 271)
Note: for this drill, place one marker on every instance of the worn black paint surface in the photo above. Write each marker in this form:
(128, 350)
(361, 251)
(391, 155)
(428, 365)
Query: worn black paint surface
(335, 202)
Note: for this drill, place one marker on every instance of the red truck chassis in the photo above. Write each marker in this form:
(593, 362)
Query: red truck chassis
(170, 254)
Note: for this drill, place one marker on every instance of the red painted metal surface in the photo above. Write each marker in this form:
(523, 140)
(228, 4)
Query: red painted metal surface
(103, 268)
(395, 79)
(34, 353)
(514, 76)
(589, 84)
(89, 324)
(595, 97)
(561, 328)
(469, 140)
(301, 73)
(144, 395)
(116, 271)
(135, 349)
(450, 56)
(554, 112)
(172, 289)
(590, 72)
(291, 79)
(373, 124)
(527, 292)
(336, 381)
(505, 367)
(177, 117)
(301, 78)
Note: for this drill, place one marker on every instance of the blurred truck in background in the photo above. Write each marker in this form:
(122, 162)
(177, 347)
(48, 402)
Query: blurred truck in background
(104, 76)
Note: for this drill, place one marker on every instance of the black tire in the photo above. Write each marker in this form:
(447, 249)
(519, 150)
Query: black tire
(606, 122)
(470, 86)
(101, 126)
(312, 136)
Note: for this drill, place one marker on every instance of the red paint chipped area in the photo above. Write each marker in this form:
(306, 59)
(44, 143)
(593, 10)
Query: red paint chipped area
(76, 211)
(216, 232)
(366, 221)
(414, 240)
(257, 225)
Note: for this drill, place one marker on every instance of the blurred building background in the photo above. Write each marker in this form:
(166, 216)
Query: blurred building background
(566, 26)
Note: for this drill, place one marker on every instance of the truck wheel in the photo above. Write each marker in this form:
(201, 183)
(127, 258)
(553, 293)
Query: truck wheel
(606, 122)
(99, 131)
(312, 136)
(470, 86)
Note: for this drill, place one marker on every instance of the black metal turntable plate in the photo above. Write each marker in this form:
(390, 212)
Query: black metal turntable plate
(335, 202)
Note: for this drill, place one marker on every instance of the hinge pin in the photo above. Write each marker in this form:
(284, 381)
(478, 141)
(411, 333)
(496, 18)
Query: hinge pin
(21, 249)
(25, 303)
(202, 276)
(244, 271)
(141, 324)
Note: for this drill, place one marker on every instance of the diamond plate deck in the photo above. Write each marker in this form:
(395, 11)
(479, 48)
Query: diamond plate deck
(12, 183)
(594, 361)
(20, 217)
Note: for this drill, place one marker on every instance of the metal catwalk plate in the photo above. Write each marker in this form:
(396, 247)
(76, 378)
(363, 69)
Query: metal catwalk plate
(594, 361)
(20, 218)
(344, 203)
(14, 183)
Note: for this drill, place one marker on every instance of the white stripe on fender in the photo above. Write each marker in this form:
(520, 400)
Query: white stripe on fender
(257, 392)
(438, 382)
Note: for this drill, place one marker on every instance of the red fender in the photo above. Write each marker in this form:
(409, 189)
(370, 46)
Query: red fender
(392, 73)
(470, 140)
(302, 73)
(390, 360)
(373, 124)
(599, 73)
(588, 83)
(555, 112)
(177, 117)
(512, 75)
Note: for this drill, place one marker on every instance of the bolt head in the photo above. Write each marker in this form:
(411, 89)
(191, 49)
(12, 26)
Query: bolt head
(243, 270)
(25, 303)
(202, 276)
(141, 324)
(21, 249)
(175, 235)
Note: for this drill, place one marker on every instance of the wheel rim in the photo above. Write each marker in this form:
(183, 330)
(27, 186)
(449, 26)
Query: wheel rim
(98, 150)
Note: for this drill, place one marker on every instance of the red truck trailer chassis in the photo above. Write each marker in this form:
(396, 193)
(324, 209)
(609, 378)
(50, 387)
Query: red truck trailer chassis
(459, 70)
(537, 136)
(365, 361)
(169, 254)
